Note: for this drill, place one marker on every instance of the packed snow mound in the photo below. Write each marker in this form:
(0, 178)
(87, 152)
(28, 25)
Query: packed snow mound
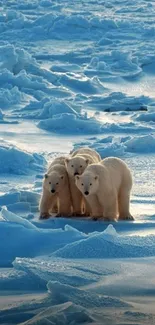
(16, 161)
(109, 245)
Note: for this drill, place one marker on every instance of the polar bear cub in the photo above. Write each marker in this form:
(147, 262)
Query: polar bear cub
(56, 190)
(75, 165)
(106, 187)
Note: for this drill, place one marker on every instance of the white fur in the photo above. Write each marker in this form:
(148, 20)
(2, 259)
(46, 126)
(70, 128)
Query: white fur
(106, 187)
(76, 163)
(56, 191)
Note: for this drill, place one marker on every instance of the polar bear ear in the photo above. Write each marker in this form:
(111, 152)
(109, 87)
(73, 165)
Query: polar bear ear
(46, 175)
(96, 177)
(87, 161)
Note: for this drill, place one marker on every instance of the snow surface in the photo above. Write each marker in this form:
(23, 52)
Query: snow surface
(72, 74)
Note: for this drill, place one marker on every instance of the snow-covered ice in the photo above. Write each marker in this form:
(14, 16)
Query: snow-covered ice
(72, 74)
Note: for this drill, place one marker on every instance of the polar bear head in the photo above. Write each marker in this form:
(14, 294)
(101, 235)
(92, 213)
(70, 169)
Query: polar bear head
(76, 165)
(53, 182)
(87, 183)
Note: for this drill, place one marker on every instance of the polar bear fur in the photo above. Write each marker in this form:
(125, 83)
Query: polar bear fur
(75, 165)
(56, 190)
(106, 187)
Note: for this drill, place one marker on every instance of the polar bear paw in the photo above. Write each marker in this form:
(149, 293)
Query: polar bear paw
(44, 215)
(129, 217)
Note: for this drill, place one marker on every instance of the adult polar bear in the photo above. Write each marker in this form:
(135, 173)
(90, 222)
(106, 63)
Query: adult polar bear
(106, 187)
(56, 191)
(75, 165)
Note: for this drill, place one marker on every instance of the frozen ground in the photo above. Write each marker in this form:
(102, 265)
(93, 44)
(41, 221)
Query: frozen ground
(76, 73)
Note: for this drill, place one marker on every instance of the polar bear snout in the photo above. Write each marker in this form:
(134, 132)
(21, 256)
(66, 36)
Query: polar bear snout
(52, 190)
(76, 173)
(86, 193)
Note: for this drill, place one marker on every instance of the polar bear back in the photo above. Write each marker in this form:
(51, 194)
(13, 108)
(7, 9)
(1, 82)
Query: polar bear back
(87, 157)
(113, 173)
(61, 169)
(57, 161)
(87, 152)
(118, 170)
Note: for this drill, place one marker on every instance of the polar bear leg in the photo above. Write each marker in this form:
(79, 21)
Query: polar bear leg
(45, 204)
(86, 209)
(76, 198)
(54, 208)
(54, 204)
(64, 204)
(123, 205)
(108, 201)
(96, 209)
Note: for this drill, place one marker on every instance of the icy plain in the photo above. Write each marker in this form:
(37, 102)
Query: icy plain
(76, 73)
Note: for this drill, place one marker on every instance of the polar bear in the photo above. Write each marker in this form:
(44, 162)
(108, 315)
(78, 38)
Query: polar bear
(56, 190)
(106, 187)
(75, 165)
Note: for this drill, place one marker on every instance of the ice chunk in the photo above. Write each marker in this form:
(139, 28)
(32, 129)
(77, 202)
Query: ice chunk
(52, 108)
(105, 245)
(12, 217)
(71, 124)
(61, 293)
(110, 230)
(15, 59)
(73, 272)
(17, 161)
(147, 117)
(141, 144)
(10, 198)
(10, 97)
(20, 237)
(11, 279)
